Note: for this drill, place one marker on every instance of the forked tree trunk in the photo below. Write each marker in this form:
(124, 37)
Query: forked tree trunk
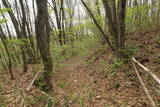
(43, 39)
(115, 15)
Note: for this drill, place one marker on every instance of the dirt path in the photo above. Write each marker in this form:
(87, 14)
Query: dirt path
(79, 85)
(88, 82)
(74, 83)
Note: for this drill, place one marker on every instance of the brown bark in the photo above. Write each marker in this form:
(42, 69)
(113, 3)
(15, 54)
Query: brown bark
(121, 24)
(43, 39)
(115, 14)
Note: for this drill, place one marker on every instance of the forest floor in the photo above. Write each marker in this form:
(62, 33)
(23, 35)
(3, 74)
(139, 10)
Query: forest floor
(78, 84)
(90, 81)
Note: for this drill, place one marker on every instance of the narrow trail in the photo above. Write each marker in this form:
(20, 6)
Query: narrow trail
(79, 85)
(76, 80)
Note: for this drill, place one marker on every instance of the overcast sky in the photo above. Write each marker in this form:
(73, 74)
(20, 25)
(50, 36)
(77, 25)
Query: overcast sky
(78, 10)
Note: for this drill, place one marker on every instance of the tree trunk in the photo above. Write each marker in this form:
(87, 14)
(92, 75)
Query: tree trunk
(121, 24)
(19, 35)
(116, 14)
(43, 39)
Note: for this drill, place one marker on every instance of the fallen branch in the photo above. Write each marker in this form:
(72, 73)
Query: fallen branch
(143, 85)
(27, 92)
(146, 69)
(29, 87)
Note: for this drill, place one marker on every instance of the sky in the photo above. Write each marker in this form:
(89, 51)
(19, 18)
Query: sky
(78, 8)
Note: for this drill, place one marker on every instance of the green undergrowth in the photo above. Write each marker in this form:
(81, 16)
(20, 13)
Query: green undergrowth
(82, 48)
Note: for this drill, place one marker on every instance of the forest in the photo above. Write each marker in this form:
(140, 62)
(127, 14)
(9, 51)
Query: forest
(79, 53)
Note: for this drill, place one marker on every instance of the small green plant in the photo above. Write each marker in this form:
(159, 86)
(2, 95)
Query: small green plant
(117, 63)
(81, 102)
(129, 51)
(73, 98)
(105, 67)
(157, 40)
(62, 85)
(116, 85)
(40, 83)
(50, 102)
(66, 101)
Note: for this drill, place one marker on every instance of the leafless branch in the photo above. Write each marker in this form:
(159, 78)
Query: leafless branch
(147, 70)
(143, 85)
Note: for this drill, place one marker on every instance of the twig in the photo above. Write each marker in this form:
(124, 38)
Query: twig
(27, 92)
(143, 85)
(29, 87)
(146, 69)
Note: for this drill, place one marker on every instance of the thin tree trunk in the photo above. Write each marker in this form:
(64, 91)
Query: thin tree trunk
(4, 40)
(19, 35)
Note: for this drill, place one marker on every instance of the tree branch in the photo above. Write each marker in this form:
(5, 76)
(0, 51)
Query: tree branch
(147, 70)
(143, 85)
(99, 27)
